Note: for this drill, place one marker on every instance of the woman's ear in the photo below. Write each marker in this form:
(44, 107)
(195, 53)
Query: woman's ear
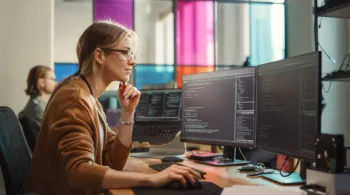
(99, 56)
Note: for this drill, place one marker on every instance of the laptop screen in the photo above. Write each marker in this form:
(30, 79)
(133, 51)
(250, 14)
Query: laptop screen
(159, 105)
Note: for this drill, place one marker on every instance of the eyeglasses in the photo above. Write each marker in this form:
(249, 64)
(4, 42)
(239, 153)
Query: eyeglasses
(127, 53)
(50, 78)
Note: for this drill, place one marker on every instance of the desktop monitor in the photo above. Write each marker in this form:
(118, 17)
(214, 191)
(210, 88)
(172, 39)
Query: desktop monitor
(288, 108)
(219, 109)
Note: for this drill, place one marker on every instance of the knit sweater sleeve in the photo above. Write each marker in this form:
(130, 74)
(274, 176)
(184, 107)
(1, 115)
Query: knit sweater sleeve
(115, 154)
(75, 147)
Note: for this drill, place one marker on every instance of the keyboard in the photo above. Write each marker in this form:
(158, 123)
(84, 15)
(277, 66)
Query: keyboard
(155, 133)
(161, 166)
(155, 129)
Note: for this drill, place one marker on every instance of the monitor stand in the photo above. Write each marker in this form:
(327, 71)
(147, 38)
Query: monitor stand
(293, 179)
(174, 148)
(228, 158)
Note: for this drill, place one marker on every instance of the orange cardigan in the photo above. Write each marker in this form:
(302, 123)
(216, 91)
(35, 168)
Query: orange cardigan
(68, 158)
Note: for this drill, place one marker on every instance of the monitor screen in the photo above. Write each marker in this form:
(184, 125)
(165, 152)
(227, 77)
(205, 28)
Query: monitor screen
(219, 107)
(159, 105)
(288, 106)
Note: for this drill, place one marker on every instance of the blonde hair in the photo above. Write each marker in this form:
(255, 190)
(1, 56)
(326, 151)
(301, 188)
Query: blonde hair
(101, 34)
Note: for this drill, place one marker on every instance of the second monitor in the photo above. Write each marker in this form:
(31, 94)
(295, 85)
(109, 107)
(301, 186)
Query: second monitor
(219, 109)
(288, 99)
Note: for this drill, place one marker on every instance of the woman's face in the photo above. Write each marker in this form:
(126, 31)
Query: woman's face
(117, 67)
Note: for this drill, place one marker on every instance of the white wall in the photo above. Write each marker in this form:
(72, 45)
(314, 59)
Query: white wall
(2, 69)
(26, 37)
(36, 32)
(299, 27)
(71, 19)
(334, 38)
(150, 23)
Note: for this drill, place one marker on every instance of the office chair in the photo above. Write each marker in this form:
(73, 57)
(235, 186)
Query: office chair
(30, 130)
(15, 155)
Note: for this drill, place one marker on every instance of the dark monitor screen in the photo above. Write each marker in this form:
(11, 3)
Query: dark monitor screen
(159, 105)
(219, 107)
(109, 100)
(288, 106)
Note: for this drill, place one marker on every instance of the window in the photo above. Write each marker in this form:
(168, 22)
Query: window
(154, 76)
(201, 36)
(267, 23)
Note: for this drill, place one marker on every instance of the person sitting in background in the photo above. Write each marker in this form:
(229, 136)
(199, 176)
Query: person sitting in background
(41, 82)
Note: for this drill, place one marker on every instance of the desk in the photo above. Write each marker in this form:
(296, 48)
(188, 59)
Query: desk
(221, 176)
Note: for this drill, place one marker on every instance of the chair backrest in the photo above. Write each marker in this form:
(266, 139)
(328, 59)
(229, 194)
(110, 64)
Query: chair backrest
(30, 130)
(15, 156)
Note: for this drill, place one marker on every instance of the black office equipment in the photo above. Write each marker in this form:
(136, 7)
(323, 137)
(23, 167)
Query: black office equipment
(208, 188)
(176, 184)
(171, 159)
(203, 156)
(219, 109)
(30, 130)
(330, 155)
(161, 166)
(260, 173)
(248, 168)
(288, 110)
(157, 118)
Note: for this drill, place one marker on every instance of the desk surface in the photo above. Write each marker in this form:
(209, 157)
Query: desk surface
(221, 176)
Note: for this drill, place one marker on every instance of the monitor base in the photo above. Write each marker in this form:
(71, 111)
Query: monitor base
(221, 162)
(227, 159)
(293, 179)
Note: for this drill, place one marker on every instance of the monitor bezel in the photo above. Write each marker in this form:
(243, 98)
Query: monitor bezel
(159, 119)
(310, 157)
(218, 142)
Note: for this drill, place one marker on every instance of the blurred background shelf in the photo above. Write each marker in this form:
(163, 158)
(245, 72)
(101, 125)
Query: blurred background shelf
(335, 8)
(340, 78)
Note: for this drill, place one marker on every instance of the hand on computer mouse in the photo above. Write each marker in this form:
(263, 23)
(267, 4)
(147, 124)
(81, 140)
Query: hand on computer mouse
(175, 172)
(178, 185)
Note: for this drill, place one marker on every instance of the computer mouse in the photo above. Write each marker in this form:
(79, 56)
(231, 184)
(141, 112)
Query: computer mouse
(171, 159)
(175, 185)
(196, 185)
(178, 185)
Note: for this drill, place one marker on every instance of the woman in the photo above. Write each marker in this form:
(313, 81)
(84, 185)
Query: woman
(76, 152)
(41, 82)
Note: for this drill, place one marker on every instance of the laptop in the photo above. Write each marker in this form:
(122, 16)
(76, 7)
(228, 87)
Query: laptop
(157, 116)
